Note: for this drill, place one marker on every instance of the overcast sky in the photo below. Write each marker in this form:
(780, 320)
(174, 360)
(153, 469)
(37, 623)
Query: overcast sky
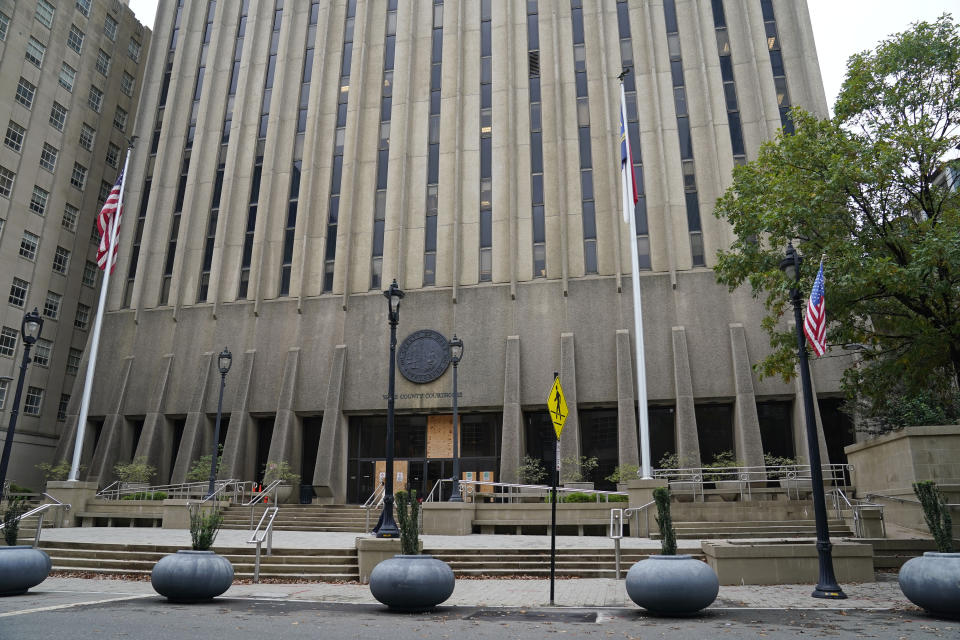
(841, 27)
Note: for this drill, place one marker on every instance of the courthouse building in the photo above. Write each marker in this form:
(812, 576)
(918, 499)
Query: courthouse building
(71, 73)
(297, 156)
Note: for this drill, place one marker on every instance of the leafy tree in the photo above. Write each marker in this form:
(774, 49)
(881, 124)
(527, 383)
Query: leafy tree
(867, 190)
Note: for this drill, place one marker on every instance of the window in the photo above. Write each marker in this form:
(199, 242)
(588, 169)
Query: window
(6, 181)
(62, 409)
(113, 155)
(87, 133)
(82, 318)
(126, 84)
(83, 6)
(14, 137)
(70, 215)
(133, 50)
(28, 245)
(103, 62)
(120, 119)
(8, 342)
(18, 292)
(4, 25)
(95, 99)
(41, 352)
(38, 200)
(67, 76)
(61, 260)
(31, 406)
(79, 176)
(25, 93)
(73, 361)
(94, 234)
(4, 385)
(75, 38)
(45, 13)
(48, 157)
(35, 52)
(51, 306)
(90, 274)
(110, 27)
(58, 116)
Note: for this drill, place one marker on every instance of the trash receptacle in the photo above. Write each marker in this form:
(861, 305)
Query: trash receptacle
(306, 494)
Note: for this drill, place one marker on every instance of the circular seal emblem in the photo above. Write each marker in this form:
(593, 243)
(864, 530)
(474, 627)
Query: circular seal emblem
(423, 356)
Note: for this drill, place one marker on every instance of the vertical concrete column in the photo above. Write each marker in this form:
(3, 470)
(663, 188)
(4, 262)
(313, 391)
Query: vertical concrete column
(746, 423)
(195, 440)
(688, 446)
(800, 423)
(108, 448)
(330, 472)
(570, 440)
(511, 438)
(287, 432)
(627, 450)
(235, 462)
(155, 439)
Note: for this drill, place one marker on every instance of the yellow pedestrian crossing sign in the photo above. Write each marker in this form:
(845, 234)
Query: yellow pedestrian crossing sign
(557, 405)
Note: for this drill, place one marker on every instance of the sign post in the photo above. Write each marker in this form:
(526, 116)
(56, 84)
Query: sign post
(557, 406)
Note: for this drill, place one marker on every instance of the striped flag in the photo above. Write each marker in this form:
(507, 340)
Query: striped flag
(110, 209)
(627, 177)
(815, 322)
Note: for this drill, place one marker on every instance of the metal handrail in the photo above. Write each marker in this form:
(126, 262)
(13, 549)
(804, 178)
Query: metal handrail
(617, 517)
(856, 507)
(222, 489)
(691, 479)
(260, 496)
(375, 500)
(513, 492)
(39, 512)
(269, 514)
(184, 490)
(881, 496)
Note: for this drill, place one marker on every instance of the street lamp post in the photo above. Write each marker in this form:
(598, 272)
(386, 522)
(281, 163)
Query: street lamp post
(30, 329)
(827, 586)
(387, 528)
(456, 352)
(224, 360)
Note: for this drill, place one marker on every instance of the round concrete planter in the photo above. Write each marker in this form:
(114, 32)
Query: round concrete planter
(672, 585)
(22, 567)
(192, 576)
(932, 581)
(412, 583)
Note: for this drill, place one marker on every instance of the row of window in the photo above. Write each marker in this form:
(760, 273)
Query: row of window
(45, 13)
(29, 244)
(26, 91)
(19, 288)
(33, 401)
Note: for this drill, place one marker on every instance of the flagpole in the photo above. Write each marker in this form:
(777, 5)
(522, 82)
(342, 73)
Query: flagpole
(629, 214)
(97, 325)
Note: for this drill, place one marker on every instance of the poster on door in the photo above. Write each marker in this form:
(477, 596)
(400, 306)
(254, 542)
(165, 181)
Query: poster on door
(400, 474)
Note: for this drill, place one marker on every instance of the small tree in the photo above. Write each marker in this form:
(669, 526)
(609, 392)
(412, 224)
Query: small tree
(59, 471)
(531, 471)
(408, 519)
(16, 507)
(623, 473)
(936, 513)
(577, 469)
(204, 528)
(668, 537)
(135, 471)
(278, 471)
(200, 469)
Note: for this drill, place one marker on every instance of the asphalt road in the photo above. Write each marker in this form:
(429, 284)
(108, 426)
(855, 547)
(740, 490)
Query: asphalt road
(153, 618)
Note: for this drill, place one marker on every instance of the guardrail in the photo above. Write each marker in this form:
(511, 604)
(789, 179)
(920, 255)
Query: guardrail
(235, 489)
(269, 514)
(40, 512)
(856, 507)
(796, 479)
(374, 501)
(508, 492)
(260, 496)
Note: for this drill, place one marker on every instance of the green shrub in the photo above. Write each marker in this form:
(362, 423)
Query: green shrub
(204, 528)
(771, 460)
(617, 498)
(936, 513)
(722, 461)
(200, 469)
(623, 473)
(408, 521)
(16, 488)
(16, 507)
(135, 471)
(577, 496)
(531, 471)
(276, 471)
(577, 469)
(146, 495)
(668, 537)
(59, 471)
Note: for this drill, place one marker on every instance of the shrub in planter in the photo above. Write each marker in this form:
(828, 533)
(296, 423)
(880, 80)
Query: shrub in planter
(137, 471)
(146, 495)
(197, 575)
(671, 584)
(531, 471)
(622, 473)
(200, 469)
(577, 469)
(21, 566)
(933, 580)
(411, 581)
(56, 472)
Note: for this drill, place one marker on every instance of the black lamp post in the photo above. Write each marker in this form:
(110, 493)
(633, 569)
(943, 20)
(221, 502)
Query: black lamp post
(456, 352)
(388, 527)
(827, 586)
(30, 329)
(224, 360)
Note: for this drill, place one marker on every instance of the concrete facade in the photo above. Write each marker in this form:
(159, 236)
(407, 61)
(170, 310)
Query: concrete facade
(58, 55)
(312, 349)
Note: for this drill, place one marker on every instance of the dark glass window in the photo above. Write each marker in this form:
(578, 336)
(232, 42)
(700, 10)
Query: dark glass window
(714, 430)
(776, 427)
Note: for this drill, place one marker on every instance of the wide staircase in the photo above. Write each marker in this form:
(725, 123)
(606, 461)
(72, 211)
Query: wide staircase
(303, 517)
(319, 565)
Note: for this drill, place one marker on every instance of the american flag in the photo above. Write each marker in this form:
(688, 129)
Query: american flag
(627, 177)
(815, 322)
(110, 207)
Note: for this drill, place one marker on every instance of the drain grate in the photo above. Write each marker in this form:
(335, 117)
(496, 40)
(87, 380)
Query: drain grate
(533, 616)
